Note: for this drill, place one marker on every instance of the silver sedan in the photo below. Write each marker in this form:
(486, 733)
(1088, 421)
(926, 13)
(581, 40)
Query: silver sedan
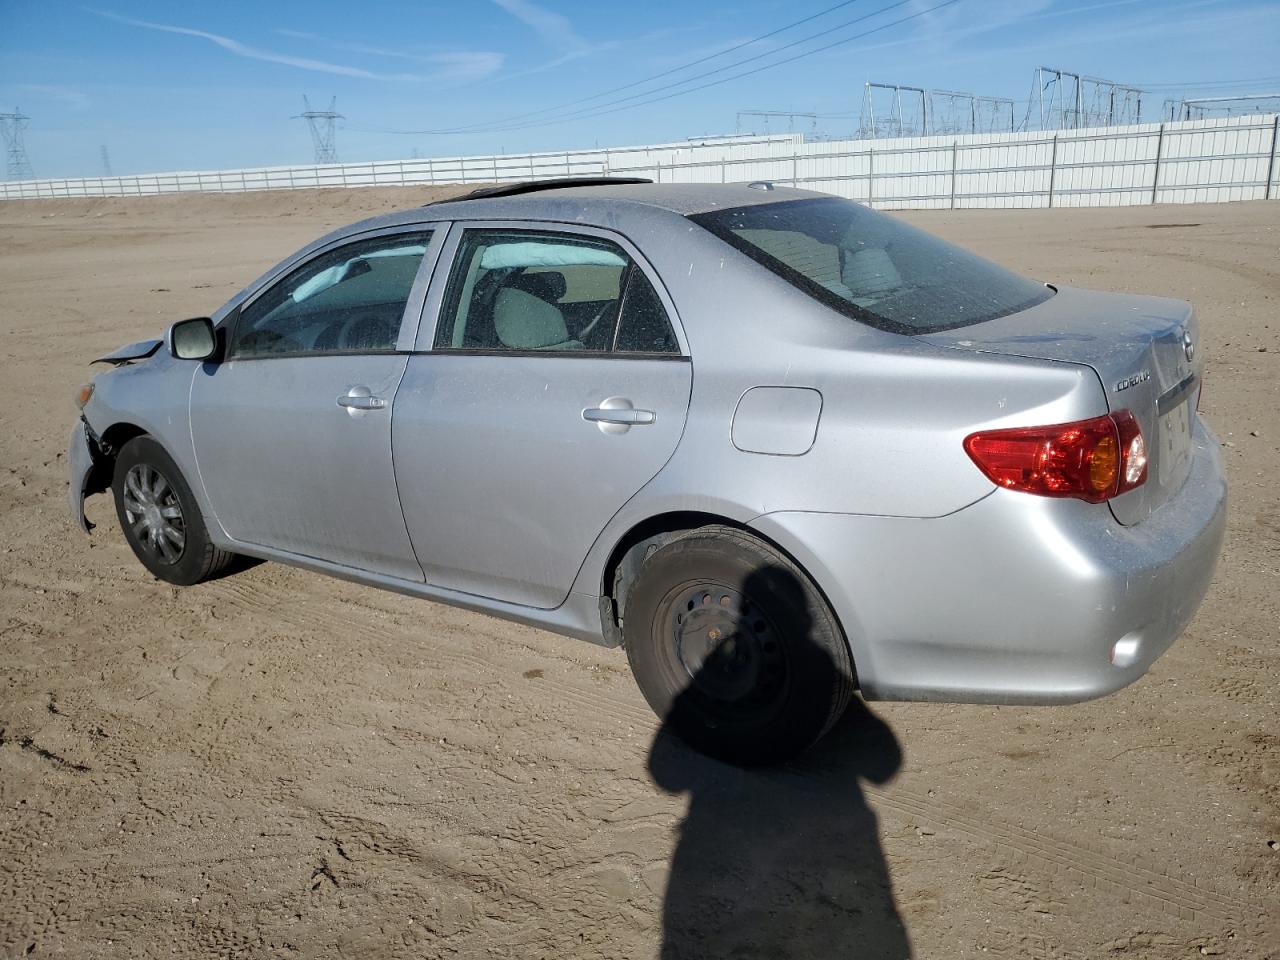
(778, 446)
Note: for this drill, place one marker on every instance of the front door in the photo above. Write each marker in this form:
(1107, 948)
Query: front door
(554, 390)
(292, 430)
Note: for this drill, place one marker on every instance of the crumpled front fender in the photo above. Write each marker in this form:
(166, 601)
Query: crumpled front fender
(84, 476)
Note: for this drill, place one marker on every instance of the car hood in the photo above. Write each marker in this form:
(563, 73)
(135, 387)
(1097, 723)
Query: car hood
(133, 351)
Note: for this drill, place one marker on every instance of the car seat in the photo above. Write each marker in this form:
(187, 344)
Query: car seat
(526, 322)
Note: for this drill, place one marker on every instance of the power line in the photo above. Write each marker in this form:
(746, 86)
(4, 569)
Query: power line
(701, 76)
(628, 103)
(739, 63)
(657, 76)
(1208, 83)
(770, 66)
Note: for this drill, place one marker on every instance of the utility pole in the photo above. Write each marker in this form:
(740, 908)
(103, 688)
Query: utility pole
(17, 166)
(106, 162)
(321, 123)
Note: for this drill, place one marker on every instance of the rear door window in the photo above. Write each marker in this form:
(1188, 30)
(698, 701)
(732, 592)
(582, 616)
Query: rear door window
(523, 291)
(873, 267)
(644, 326)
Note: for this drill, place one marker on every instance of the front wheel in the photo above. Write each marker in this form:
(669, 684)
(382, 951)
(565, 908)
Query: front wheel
(160, 517)
(735, 648)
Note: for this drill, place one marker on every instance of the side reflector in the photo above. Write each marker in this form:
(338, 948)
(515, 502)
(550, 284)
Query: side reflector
(1091, 460)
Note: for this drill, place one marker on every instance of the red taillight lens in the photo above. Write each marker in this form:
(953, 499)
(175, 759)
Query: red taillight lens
(1092, 460)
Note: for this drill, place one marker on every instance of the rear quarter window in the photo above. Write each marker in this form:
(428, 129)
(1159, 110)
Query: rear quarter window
(872, 267)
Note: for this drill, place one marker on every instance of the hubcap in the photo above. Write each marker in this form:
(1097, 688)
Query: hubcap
(153, 513)
(727, 646)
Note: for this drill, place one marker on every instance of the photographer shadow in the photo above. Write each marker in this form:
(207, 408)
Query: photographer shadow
(781, 862)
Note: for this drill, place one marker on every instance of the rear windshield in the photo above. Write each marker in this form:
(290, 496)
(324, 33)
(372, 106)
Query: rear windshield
(873, 267)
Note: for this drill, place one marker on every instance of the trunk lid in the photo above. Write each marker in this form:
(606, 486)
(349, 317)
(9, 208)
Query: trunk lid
(1145, 351)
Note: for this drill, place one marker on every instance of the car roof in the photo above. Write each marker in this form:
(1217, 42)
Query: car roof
(598, 203)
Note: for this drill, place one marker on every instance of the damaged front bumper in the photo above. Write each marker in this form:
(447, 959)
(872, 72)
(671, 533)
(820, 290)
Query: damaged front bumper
(88, 464)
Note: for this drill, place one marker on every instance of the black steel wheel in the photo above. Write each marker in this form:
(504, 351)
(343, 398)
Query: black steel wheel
(734, 647)
(160, 517)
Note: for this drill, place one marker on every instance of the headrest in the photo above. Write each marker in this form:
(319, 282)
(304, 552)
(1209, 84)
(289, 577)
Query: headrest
(524, 321)
(547, 285)
(870, 272)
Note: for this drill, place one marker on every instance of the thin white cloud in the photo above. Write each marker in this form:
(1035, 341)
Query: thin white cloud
(71, 97)
(462, 66)
(949, 39)
(1167, 22)
(942, 26)
(555, 29)
(557, 32)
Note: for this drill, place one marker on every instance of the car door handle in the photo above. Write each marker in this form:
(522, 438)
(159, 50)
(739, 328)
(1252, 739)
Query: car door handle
(622, 416)
(362, 403)
(361, 398)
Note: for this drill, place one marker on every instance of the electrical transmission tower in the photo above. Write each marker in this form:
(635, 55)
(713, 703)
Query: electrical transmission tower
(1202, 108)
(106, 162)
(768, 115)
(897, 117)
(1068, 101)
(912, 111)
(952, 112)
(321, 123)
(17, 166)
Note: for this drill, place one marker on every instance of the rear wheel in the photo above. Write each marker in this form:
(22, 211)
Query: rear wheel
(735, 648)
(160, 517)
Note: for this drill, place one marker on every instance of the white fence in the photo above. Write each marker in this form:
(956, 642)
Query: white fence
(1202, 161)
(1196, 161)
(429, 171)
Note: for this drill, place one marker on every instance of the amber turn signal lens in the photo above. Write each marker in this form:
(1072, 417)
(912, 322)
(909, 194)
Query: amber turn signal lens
(83, 396)
(1104, 464)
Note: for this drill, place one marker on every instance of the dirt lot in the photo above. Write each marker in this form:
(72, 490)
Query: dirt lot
(279, 764)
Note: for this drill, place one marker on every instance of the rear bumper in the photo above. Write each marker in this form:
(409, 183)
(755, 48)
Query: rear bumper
(1015, 599)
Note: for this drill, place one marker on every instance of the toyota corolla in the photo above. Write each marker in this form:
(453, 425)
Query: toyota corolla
(777, 445)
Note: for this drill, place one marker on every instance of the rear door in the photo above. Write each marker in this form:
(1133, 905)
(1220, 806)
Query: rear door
(555, 386)
(292, 430)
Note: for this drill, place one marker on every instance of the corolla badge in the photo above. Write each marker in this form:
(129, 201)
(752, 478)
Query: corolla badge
(1188, 345)
(1137, 378)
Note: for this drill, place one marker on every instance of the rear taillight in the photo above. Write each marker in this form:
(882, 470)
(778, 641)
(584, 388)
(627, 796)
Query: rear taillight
(1092, 460)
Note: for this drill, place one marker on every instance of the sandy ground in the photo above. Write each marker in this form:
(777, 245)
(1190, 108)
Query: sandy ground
(279, 764)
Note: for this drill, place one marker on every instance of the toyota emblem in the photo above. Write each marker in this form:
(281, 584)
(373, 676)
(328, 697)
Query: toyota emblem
(1188, 345)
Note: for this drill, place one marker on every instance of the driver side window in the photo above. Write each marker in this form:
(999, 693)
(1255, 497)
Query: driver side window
(347, 300)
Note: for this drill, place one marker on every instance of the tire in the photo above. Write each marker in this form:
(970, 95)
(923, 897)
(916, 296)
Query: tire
(735, 648)
(160, 517)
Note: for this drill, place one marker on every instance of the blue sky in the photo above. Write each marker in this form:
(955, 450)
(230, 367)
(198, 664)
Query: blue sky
(168, 85)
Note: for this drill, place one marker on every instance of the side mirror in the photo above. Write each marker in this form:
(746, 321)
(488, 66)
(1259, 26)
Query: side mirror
(192, 339)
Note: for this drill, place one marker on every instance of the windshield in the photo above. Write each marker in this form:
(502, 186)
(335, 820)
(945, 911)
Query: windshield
(873, 267)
